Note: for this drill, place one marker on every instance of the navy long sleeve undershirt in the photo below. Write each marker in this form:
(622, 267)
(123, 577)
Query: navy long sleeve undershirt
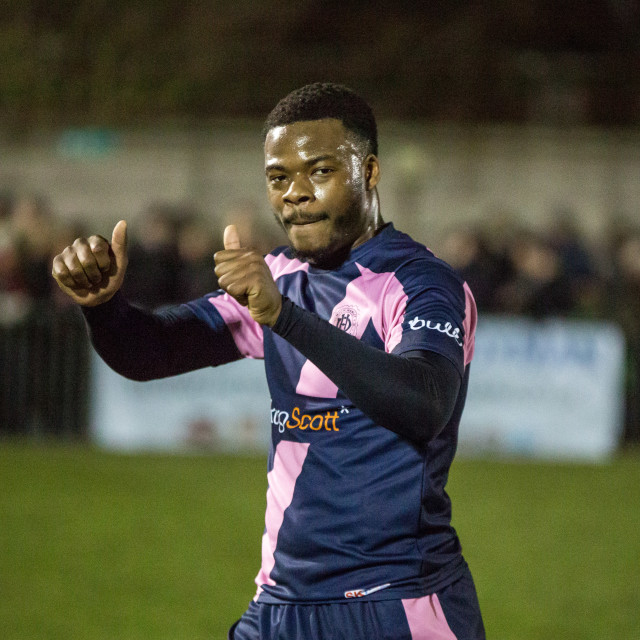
(143, 345)
(413, 394)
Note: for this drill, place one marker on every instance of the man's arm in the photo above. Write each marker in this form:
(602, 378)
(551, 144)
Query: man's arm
(137, 344)
(413, 395)
(144, 345)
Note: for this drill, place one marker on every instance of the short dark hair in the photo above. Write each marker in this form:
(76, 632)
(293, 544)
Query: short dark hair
(327, 100)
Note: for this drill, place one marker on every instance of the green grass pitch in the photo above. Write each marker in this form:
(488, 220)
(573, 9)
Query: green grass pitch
(100, 546)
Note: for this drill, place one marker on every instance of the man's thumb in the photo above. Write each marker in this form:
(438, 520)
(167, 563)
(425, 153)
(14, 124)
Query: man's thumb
(231, 237)
(119, 239)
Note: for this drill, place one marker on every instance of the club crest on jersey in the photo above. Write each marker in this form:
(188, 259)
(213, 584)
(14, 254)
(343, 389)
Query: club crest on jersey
(345, 317)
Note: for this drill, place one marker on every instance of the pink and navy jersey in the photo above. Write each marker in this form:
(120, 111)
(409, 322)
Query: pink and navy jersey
(354, 510)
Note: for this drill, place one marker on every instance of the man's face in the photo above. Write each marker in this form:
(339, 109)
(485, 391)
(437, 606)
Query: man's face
(319, 184)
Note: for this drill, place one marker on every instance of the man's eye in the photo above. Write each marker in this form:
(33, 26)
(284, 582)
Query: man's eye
(276, 178)
(323, 171)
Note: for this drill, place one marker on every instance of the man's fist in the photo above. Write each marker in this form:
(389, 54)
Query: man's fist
(245, 276)
(91, 270)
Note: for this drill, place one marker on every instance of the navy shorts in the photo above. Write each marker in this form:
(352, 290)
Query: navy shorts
(452, 613)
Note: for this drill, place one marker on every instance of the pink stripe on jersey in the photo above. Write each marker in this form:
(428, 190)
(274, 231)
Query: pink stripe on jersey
(352, 314)
(280, 265)
(426, 619)
(388, 318)
(246, 332)
(314, 383)
(469, 324)
(287, 465)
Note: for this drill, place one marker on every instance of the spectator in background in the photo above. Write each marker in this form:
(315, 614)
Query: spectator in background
(499, 233)
(152, 280)
(539, 287)
(13, 300)
(196, 246)
(33, 225)
(25, 253)
(623, 307)
(467, 252)
(566, 239)
(576, 261)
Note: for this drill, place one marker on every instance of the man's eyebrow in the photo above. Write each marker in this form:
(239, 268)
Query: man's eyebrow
(317, 159)
(309, 163)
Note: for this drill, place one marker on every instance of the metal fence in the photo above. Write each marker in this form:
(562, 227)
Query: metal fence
(44, 375)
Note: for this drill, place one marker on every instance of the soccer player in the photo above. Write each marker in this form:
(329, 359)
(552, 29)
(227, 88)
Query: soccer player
(366, 338)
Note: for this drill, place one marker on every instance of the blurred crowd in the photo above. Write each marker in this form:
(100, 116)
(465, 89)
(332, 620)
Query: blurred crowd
(170, 250)
(511, 269)
(515, 270)
(518, 270)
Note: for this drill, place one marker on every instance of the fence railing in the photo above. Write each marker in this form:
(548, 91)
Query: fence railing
(44, 374)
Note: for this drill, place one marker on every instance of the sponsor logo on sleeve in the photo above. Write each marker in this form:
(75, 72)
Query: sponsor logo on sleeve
(418, 323)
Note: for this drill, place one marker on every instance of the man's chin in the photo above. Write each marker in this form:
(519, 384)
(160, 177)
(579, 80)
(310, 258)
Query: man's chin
(323, 258)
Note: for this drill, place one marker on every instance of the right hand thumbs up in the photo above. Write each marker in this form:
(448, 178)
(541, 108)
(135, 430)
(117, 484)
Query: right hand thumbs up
(243, 273)
(231, 239)
(91, 271)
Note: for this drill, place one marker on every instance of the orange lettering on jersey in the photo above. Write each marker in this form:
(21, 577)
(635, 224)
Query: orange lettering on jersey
(331, 417)
(315, 422)
(294, 414)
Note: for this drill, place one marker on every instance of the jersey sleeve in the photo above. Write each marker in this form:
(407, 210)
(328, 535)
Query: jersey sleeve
(246, 332)
(438, 314)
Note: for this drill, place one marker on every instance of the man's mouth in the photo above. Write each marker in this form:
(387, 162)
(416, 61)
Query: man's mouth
(300, 221)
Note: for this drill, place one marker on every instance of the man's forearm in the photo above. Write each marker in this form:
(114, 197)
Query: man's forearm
(144, 345)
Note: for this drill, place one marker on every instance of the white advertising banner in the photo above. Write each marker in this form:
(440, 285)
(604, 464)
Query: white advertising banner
(221, 408)
(550, 389)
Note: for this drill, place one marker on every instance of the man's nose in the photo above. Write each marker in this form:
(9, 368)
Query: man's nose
(299, 191)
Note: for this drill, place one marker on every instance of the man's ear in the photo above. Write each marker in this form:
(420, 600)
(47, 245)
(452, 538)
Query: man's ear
(371, 171)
